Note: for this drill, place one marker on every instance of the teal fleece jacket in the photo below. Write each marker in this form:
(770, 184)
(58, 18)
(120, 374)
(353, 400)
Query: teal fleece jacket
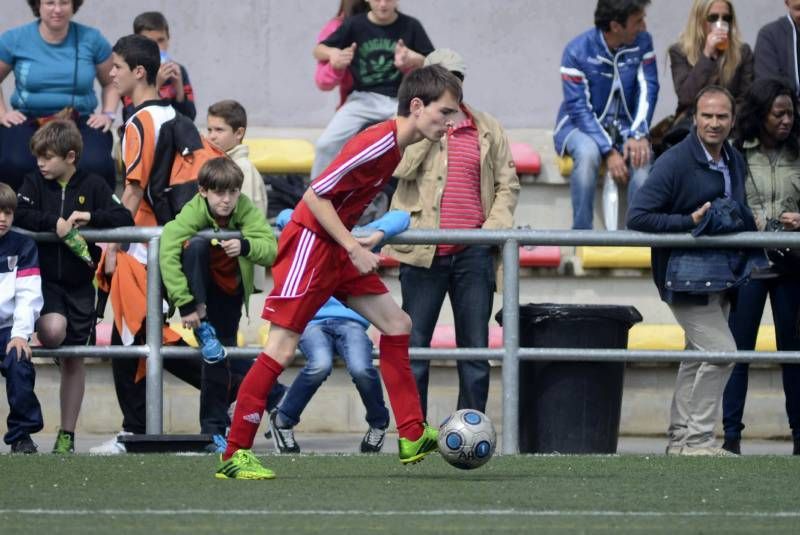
(258, 246)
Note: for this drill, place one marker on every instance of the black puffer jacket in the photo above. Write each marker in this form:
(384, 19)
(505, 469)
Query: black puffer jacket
(41, 202)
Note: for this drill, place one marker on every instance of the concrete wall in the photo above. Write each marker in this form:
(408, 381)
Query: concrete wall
(259, 51)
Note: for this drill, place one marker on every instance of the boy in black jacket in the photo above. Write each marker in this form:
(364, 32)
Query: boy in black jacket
(59, 198)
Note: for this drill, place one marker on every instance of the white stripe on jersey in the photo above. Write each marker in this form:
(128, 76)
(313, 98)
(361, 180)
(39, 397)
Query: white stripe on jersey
(372, 152)
(299, 263)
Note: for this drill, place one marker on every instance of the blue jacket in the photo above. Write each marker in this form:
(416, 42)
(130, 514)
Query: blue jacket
(681, 181)
(393, 222)
(589, 72)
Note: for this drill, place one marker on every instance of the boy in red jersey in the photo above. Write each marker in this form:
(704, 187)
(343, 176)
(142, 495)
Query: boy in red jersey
(319, 258)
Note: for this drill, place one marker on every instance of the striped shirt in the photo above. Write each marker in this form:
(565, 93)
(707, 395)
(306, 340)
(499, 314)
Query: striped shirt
(461, 200)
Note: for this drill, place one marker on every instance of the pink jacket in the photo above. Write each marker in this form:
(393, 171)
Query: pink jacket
(326, 77)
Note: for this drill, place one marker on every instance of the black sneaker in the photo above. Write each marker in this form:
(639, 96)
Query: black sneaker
(732, 445)
(373, 440)
(24, 445)
(796, 450)
(282, 437)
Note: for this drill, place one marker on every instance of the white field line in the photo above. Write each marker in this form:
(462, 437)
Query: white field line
(442, 512)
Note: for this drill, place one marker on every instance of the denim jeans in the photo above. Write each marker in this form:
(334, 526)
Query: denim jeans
(784, 296)
(468, 278)
(319, 342)
(587, 160)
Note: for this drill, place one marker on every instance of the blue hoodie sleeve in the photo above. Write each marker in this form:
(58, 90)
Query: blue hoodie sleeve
(391, 224)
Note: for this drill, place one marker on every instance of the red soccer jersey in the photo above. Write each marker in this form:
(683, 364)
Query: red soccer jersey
(360, 171)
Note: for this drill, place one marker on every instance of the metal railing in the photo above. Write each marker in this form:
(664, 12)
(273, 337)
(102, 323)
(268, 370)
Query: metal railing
(510, 355)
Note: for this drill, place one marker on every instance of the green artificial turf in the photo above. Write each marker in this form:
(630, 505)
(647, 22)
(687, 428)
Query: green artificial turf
(356, 494)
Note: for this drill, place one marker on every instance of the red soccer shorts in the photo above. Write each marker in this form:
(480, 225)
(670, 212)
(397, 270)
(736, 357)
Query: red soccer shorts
(309, 270)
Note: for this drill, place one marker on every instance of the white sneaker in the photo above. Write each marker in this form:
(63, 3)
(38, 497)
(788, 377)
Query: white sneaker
(111, 447)
(706, 451)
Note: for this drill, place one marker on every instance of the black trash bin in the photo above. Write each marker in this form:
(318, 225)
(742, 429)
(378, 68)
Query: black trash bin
(571, 407)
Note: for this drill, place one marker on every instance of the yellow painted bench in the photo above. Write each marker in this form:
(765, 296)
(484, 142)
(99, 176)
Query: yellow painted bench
(671, 337)
(274, 156)
(613, 257)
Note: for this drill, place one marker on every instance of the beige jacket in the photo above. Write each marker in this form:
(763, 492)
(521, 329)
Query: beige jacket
(253, 185)
(422, 175)
(772, 188)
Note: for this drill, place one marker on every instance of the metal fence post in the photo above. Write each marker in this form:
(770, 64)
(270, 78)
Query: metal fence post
(155, 388)
(511, 345)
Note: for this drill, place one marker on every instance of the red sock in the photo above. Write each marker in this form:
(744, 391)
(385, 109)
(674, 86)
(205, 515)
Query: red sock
(400, 385)
(251, 402)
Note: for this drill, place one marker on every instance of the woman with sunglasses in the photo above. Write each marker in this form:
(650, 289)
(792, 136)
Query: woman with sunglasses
(710, 51)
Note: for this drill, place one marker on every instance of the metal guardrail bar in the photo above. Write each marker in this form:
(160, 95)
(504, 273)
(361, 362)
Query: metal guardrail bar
(511, 354)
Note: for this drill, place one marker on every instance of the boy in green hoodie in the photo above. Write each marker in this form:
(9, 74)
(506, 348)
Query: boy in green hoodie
(208, 281)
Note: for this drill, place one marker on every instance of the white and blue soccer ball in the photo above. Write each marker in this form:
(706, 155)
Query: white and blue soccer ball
(467, 439)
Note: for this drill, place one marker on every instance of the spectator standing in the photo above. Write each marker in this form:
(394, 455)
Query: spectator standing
(378, 48)
(20, 303)
(60, 198)
(209, 282)
(710, 51)
(776, 54)
(609, 78)
(55, 63)
(676, 198)
(337, 330)
(172, 80)
(479, 190)
(768, 131)
(326, 76)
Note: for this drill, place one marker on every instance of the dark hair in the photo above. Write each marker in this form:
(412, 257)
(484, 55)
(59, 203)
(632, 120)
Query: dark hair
(138, 50)
(608, 11)
(709, 89)
(8, 199)
(35, 4)
(58, 137)
(150, 21)
(231, 112)
(756, 106)
(348, 8)
(220, 174)
(427, 84)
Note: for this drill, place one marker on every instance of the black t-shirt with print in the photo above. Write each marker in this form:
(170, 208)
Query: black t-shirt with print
(373, 65)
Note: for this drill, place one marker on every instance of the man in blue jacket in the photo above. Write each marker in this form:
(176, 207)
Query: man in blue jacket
(685, 180)
(610, 81)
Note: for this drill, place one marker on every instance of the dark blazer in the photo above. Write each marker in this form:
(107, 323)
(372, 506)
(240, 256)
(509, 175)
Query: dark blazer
(680, 182)
(776, 52)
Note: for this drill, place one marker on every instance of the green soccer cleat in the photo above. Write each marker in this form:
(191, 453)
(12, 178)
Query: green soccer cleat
(243, 465)
(413, 451)
(65, 443)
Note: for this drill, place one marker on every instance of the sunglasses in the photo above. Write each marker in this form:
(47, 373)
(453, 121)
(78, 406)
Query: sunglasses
(714, 17)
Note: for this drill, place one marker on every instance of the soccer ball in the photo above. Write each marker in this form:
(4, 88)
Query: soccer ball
(467, 439)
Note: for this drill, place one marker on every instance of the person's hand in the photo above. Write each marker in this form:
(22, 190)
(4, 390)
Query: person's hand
(111, 259)
(617, 167)
(232, 248)
(22, 347)
(700, 213)
(371, 241)
(79, 219)
(12, 118)
(363, 259)
(63, 227)
(191, 321)
(402, 56)
(340, 59)
(167, 72)
(637, 152)
(790, 220)
(714, 38)
(100, 121)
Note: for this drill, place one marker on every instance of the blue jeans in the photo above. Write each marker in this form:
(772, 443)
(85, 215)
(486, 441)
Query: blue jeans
(587, 160)
(319, 343)
(24, 411)
(784, 296)
(468, 278)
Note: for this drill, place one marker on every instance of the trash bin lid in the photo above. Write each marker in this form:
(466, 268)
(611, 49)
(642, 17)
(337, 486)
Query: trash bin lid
(537, 312)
